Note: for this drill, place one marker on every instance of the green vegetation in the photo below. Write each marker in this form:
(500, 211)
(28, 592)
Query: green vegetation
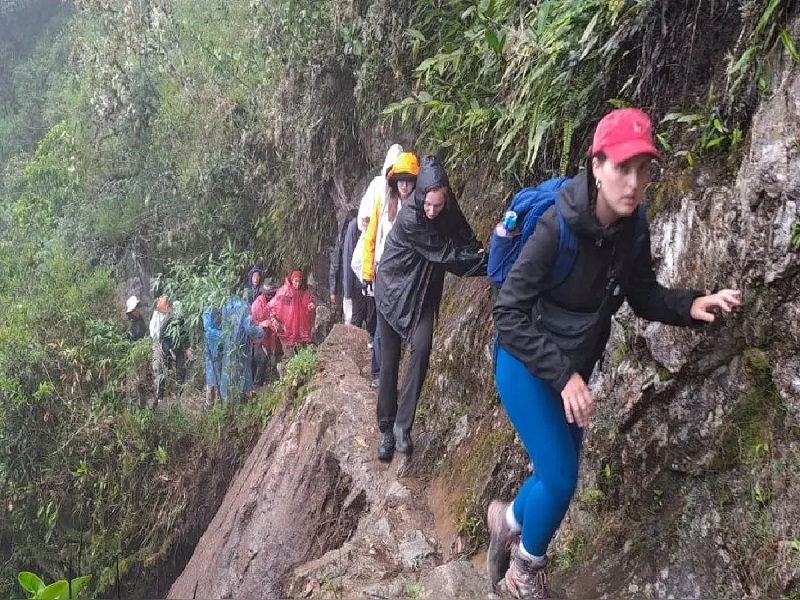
(414, 590)
(749, 438)
(515, 84)
(571, 551)
(465, 473)
(58, 590)
(193, 138)
(592, 498)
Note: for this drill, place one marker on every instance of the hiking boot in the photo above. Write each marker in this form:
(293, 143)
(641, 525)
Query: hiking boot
(386, 447)
(501, 541)
(526, 577)
(404, 443)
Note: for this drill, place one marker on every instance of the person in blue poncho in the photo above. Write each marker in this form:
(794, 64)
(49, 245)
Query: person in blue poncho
(238, 330)
(212, 331)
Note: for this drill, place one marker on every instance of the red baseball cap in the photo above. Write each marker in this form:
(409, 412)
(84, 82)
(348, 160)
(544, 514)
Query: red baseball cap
(623, 134)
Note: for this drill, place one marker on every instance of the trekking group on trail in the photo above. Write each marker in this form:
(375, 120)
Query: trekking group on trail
(563, 260)
(243, 340)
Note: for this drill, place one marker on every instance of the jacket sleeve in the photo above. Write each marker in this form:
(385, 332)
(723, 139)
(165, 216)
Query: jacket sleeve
(335, 273)
(368, 256)
(513, 311)
(435, 247)
(255, 332)
(473, 264)
(652, 301)
(368, 201)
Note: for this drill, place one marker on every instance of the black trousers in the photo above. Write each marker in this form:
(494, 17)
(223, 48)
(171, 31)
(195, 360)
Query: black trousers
(390, 411)
(364, 313)
(258, 363)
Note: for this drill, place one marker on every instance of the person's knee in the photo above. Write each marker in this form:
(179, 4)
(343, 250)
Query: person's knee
(562, 485)
(422, 345)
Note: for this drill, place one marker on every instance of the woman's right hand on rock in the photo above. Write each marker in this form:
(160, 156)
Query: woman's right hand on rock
(578, 401)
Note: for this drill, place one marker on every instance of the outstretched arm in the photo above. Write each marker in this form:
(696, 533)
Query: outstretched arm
(725, 300)
(651, 300)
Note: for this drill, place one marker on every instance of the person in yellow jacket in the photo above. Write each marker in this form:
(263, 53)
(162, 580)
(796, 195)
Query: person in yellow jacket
(400, 183)
(375, 193)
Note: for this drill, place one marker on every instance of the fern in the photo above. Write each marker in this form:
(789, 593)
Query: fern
(517, 84)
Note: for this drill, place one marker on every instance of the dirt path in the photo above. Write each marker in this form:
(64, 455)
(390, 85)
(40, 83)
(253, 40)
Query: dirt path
(314, 514)
(398, 549)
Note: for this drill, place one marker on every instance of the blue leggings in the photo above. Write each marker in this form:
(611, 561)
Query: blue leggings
(537, 413)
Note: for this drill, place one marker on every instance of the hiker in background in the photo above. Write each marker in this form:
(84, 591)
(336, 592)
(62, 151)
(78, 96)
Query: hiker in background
(212, 331)
(175, 342)
(138, 379)
(400, 182)
(294, 308)
(429, 237)
(549, 337)
(264, 351)
(136, 327)
(238, 329)
(253, 285)
(160, 315)
(375, 193)
(342, 281)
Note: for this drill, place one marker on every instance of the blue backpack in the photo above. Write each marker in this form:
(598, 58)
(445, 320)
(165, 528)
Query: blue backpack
(530, 204)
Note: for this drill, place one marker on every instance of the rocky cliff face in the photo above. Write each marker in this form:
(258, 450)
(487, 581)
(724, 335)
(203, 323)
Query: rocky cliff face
(688, 484)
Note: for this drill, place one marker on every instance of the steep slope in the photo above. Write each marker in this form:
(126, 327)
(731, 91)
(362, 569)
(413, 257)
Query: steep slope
(313, 489)
(688, 487)
(688, 484)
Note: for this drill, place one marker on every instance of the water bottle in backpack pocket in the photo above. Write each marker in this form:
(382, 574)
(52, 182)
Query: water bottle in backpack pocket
(519, 221)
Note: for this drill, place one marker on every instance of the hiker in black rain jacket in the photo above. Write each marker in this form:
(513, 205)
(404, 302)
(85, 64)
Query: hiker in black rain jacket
(429, 237)
(549, 338)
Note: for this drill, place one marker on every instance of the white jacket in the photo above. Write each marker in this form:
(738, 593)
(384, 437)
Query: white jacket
(156, 321)
(376, 191)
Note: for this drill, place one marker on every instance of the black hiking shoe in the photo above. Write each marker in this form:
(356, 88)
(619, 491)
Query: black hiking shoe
(386, 447)
(404, 443)
(501, 542)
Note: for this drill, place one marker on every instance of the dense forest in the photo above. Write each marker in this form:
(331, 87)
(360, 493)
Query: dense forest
(166, 145)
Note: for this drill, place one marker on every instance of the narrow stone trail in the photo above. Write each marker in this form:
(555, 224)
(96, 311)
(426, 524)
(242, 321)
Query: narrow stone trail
(398, 550)
(314, 514)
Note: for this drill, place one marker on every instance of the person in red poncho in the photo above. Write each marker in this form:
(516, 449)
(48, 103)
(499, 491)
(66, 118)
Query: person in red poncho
(293, 307)
(264, 352)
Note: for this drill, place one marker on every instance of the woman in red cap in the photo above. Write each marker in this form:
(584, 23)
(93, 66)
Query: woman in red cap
(550, 337)
(293, 307)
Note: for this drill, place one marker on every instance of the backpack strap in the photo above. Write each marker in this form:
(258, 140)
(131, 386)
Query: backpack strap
(640, 231)
(567, 251)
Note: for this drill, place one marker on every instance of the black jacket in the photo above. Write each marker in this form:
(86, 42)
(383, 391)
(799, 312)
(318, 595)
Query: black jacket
(524, 297)
(341, 279)
(136, 327)
(418, 251)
